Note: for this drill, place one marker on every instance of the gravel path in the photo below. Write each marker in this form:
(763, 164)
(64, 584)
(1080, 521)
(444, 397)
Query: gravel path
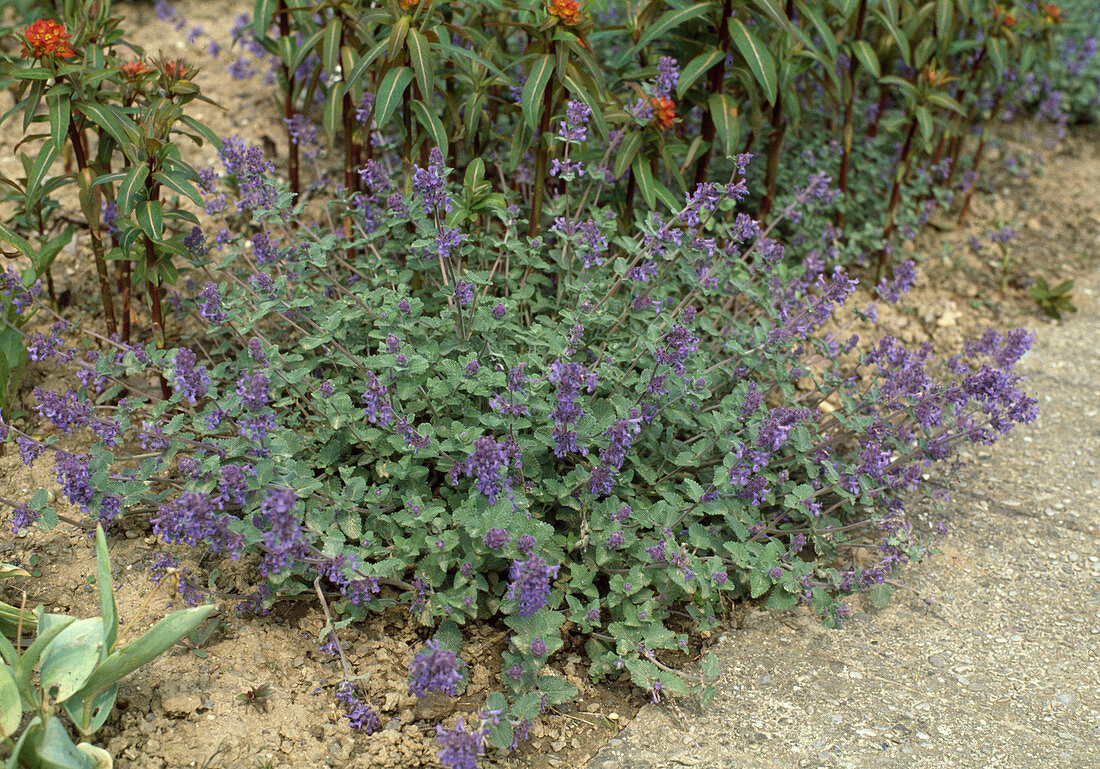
(991, 658)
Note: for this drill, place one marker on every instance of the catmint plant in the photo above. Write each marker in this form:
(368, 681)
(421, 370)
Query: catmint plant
(390, 413)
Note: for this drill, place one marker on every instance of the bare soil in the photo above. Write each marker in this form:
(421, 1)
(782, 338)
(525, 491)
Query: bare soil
(183, 710)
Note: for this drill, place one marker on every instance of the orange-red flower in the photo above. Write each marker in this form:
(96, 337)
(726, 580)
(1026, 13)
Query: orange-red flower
(47, 38)
(1053, 13)
(569, 11)
(407, 4)
(134, 69)
(664, 111)
(1008, 21)
(175, 68)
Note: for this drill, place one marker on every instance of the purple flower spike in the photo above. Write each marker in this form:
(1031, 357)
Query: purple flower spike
(531, 584)
(460, 748)
(435, 669)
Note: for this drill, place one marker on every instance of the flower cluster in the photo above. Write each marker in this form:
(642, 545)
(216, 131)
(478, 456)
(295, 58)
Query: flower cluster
(530, 584)
(567, 10)
(435, 669)
(47, 38)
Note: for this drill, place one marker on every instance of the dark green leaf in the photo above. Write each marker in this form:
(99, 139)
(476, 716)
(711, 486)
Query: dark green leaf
(643, 175)
(59, 118)
(332, 114)
(179, 185)
(131, 187)
(667, 22)
(945, 19)
(880, 595)
(812, 12)
(628, 150)
(727, 124)
(420, 56)
(757, 57)
(150, 217)
(866, 55)
(390, 91)
(537, 78)
(117, 125)
(696, 68)
(42, 164)
(330, 46)
(10, 237)
(263, 11)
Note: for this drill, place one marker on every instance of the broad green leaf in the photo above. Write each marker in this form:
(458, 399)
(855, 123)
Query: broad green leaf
(131, 188)
(10, 237)
(389, 94)
(11, 703)
(117, 125)
(432, 124)
(90, 714)
(727, 124)
(846, 7)
(927, 127)
(945, 101)
(263, 11)
(33, 100)
(537, 79)
(330, 46)
(70, 659)
(452, 50)
(643, 176)
(7, 570)
(332, 114)
(521, 140)
(420, 56)
(757, 57)
(150, 217)
(125, 661)
(812, 12)
(628, 150)
(396, 39)
(557, 690)
(923, 52)
(179, 185)
(669, 21)
(108, 610)
(900, 40)
(47, 153)
(775, 10)
(696, 68)
(362, 64)
(866, 55)
(59, 118)
(901, 84)
(201, 129)
(945, 19)
(52, 748)
(758, 584)
(302, 52)
(49, 250)
(880, 595)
